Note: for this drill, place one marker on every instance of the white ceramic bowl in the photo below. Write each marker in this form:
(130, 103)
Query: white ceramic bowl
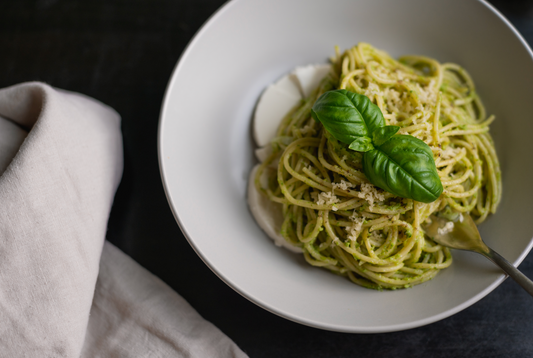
(206, 149)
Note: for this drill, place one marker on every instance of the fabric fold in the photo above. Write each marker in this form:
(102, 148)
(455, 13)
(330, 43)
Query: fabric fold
(135, 314)
(60, 165)
(56, 196)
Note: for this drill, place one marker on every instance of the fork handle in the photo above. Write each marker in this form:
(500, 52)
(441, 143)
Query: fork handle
(512, 271)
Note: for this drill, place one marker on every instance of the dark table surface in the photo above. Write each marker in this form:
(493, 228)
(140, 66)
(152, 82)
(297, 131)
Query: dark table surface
(122, 53)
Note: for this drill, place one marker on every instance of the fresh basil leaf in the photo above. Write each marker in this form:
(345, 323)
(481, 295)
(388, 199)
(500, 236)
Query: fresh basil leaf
(383, 134)
(400, 164)
(361, 144)
(404, 166)
(347, 115)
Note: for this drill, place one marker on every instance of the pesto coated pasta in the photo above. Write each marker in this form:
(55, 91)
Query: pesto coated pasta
(339, 219)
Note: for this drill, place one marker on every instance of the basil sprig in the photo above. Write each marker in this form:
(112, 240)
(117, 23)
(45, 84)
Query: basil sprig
(400, 164)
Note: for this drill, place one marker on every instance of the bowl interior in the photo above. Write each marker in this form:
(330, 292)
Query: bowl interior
(206, 149)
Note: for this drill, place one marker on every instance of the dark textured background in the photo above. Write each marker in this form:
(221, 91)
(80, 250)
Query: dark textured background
(122, 53)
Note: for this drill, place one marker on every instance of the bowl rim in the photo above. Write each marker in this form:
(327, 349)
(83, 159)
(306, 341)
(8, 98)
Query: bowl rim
(220, 12)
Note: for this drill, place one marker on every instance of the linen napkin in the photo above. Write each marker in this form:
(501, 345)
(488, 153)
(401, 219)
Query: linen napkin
(64, 291)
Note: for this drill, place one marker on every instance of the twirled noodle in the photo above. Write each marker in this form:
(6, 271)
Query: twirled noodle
(332, 212)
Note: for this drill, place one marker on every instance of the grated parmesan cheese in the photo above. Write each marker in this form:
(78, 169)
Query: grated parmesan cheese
(450, 152)
(327, 198)
(372, 90)
(446, 229)
(308, 129)
(357, 226)
(343, 185)
(376, 235)
(427, 94)
(400, 75)
(370, 194)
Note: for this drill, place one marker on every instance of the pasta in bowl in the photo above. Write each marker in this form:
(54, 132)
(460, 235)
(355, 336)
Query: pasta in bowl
(206, 145)
(330, 209)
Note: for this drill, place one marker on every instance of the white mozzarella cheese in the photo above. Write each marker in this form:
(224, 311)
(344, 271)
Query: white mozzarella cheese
(273, 106)
(275, 102)
(267, 214)
(290, 85)
(309, 77)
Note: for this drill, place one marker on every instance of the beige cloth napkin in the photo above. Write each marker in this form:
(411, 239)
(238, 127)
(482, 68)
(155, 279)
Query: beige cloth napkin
(63, 291)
